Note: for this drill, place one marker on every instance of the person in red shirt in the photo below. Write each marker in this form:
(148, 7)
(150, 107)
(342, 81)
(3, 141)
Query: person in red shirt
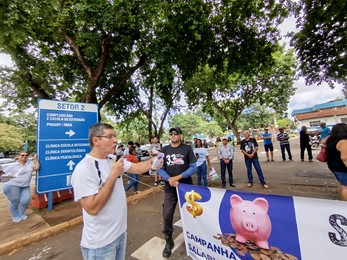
(133, 178)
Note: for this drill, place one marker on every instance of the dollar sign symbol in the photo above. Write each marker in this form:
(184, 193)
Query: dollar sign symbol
(195, 209)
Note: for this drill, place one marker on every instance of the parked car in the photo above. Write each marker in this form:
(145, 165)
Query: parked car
(4, 161)
(144, 153)
(313, 130)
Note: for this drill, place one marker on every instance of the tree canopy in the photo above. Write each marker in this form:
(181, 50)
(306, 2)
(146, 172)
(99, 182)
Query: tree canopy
(11, 138)
(256, 116)
(193, 124)
(321, 43)
(20, 127)
(225, 96)
(93, 51)
(86, 51)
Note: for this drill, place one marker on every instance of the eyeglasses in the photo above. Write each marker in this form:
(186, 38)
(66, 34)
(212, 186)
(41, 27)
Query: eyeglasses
(24, 155)
(174, 134)
(108, 136)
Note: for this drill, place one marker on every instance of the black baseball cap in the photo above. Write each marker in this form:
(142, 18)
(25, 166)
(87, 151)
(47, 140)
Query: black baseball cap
(176, 128)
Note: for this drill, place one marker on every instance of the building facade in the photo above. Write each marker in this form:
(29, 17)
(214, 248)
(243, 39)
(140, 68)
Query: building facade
(331, 113)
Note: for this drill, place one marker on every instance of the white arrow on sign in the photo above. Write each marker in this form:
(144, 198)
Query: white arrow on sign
(70, 164)
(70, 133)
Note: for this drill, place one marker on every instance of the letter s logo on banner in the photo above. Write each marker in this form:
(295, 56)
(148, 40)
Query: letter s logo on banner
(195, 209)
(342, 233)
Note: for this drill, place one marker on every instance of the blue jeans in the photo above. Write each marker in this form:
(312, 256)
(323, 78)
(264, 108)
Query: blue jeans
(115, 250)
(202, 172)
(223, 168)
(341, 177)
(256, 164)
(19, 198)
(133, 178)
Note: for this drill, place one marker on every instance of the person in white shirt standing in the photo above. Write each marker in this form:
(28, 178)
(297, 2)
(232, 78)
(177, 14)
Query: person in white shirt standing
(202, 156)
(226, 156)
(98, 186)
(17, 189)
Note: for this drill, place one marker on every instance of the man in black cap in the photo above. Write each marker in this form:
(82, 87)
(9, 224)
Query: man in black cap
(179, 165)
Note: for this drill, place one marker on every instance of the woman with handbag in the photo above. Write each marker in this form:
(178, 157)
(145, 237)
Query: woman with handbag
(337, 156)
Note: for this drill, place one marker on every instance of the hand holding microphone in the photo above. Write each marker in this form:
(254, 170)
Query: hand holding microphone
(158, 162)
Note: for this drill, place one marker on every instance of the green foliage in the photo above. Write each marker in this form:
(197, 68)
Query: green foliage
(192, 124)
(321, 41)
(286, 123)
(24, 124)
(225, 95)
(11, 138)
(255, 117)
(86, 51)
(89, 50)
(132, 129)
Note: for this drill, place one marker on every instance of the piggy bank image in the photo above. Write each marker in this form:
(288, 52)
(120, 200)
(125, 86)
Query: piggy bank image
(250, 220)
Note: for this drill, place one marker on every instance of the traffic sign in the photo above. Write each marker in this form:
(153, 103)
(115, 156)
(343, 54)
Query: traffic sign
(62, 141)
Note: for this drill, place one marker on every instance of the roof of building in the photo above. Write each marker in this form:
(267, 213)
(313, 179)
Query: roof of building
(331, 104)
(323, 113)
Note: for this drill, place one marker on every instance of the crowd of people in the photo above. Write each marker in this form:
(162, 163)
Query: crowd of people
(98, 178)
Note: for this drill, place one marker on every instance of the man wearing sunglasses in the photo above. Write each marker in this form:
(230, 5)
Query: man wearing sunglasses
(179, 165)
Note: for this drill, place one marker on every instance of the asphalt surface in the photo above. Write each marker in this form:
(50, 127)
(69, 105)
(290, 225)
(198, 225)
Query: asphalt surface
(145, 240)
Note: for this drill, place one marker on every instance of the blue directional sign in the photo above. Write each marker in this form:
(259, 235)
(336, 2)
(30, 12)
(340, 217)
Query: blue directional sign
(62, 141)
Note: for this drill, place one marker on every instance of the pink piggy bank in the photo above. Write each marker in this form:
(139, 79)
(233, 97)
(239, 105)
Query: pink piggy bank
(250, 220)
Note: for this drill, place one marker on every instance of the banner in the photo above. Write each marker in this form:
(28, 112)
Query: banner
(226, 224)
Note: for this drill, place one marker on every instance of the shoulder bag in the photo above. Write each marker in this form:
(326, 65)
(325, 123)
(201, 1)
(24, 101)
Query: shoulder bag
(323, 154)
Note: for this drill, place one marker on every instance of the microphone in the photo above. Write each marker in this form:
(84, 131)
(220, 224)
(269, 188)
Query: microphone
(157, 161)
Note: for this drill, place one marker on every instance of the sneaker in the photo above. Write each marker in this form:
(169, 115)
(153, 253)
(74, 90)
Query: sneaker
(162, 183)
(249, 184)
(283, 160)
(16, 219)
(23, 217)
(155, 184)
(137, 192)
(232, 185)
(265, 186)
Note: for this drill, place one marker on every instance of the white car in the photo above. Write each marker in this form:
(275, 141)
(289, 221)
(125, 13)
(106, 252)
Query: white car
(4, 161)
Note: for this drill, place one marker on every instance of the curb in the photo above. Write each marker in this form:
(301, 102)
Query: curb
(36, 237)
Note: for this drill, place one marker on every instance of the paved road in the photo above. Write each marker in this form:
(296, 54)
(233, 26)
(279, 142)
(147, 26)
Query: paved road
(145, 217)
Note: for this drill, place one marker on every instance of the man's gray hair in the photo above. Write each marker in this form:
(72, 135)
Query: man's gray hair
(97, 130)
(245, 131)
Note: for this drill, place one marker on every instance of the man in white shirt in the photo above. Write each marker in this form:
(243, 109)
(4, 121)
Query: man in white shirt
(98, 186)
(226, 156)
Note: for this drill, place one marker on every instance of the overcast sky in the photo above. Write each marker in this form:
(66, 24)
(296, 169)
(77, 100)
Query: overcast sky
(304, 97)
